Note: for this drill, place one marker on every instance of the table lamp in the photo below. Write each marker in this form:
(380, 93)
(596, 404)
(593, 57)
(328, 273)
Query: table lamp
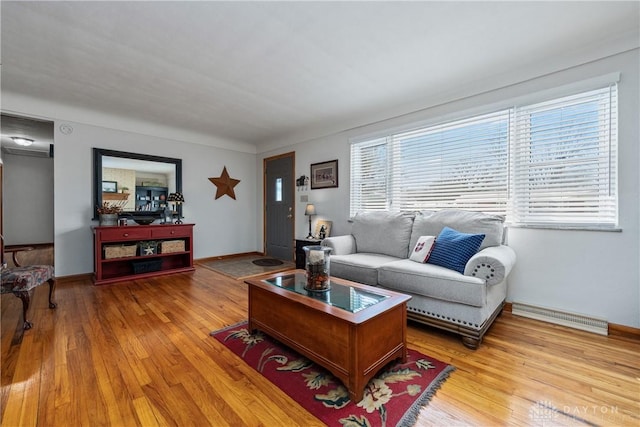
(179, 200)
(309, 211)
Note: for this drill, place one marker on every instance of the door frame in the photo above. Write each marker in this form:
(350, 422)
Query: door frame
(291, 154)
(1, 215)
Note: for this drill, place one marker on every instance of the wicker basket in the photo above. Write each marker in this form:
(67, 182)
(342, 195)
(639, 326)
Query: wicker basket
(119, 251)
(171, 246)
(146, 266)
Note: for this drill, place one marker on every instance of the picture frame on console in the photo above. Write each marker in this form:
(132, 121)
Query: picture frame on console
(324, 175)
(327, 228)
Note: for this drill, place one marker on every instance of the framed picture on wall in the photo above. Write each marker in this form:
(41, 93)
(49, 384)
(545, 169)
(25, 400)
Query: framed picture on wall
(109, 187)
(324, 175)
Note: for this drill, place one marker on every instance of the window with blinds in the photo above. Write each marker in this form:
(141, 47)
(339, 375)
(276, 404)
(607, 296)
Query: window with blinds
(369, 176)
(552, 163)
(564, 161)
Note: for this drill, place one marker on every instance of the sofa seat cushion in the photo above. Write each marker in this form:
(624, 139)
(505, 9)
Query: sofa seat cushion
(360, 267)
(432, 281)
(383, 232)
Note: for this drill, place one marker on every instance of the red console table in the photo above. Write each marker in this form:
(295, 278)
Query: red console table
(140, 264)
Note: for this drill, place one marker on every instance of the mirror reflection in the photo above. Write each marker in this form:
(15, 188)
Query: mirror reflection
(139, 183)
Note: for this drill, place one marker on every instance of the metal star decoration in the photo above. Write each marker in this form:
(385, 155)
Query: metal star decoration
(225, 184)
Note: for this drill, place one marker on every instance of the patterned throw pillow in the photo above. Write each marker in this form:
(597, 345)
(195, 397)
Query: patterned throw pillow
(422, 250)
(453, 249)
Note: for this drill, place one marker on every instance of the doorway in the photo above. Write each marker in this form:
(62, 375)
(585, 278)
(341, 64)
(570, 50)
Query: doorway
(26, 198)
(279, 203)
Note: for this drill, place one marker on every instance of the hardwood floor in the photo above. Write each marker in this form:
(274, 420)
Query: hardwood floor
(139, 354)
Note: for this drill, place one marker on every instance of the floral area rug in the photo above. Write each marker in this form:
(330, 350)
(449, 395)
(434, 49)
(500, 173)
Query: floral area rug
(393, 398)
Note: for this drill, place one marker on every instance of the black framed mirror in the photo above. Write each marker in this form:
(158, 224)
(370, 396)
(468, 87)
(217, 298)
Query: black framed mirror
(142, 182)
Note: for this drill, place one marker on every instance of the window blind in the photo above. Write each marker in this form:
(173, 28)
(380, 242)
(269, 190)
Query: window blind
(461, 164)
(551, 163)
(564, 161)
(369, 176)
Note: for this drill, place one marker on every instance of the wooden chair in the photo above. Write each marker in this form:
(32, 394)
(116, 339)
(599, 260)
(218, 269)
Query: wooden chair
(21, 281)
(15, 250)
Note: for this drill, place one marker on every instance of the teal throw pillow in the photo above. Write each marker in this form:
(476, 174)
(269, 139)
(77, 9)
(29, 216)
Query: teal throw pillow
(453, 249)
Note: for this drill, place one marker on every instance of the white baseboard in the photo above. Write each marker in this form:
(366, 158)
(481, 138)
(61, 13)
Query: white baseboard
(572, 320)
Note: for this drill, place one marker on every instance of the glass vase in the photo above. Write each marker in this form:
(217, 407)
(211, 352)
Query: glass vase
(317, 268)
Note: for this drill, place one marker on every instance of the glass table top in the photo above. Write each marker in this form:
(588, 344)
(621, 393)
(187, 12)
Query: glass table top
(348, 298)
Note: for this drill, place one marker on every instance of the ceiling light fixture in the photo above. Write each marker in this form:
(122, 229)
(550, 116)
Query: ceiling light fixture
(22, 141)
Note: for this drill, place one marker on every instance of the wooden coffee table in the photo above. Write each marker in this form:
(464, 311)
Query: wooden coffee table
(353, 330)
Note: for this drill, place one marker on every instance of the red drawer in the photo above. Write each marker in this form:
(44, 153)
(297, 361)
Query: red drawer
(124, 233)
(168, 231)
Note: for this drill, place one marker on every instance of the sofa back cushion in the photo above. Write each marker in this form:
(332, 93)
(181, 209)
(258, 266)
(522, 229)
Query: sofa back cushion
(430, 223)
(383, 232)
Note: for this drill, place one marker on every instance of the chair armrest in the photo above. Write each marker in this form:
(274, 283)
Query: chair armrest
(341, 245)
(492, 264)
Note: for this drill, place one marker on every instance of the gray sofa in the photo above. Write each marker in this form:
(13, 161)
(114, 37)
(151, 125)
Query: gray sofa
(377, 253)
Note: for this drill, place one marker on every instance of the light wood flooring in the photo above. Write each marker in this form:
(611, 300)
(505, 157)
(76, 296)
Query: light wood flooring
(139, 354)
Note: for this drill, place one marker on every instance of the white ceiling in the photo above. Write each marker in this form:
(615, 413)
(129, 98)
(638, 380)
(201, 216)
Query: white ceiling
(268, 73)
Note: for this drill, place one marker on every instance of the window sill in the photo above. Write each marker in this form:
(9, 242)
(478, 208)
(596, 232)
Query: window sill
(566, 228)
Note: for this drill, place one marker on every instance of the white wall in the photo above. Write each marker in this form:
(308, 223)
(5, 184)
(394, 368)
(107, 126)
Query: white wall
(223, 226)
(27, 199)
(588, 272)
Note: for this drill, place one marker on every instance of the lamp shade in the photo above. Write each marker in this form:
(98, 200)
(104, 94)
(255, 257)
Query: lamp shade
(310, 210)
(179, 198)
(171, 197)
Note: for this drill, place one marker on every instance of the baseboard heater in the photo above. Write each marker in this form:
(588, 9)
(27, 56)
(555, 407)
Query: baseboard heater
(571, 320)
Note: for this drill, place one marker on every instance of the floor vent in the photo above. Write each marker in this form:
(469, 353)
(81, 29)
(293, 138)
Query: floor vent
(572, 320)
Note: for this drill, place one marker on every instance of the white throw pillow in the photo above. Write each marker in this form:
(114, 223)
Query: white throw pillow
(422, 250)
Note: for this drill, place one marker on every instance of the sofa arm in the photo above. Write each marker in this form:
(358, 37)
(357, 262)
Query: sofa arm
(341, 245)
(492, 264)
